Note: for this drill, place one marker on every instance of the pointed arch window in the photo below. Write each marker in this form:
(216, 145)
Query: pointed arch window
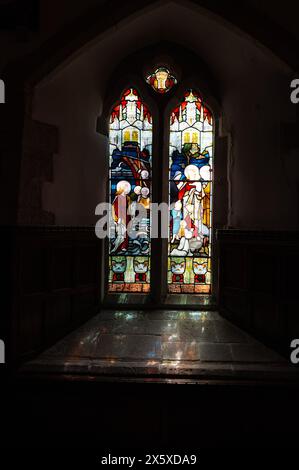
(190, 192)
(188, 250)
(130, 149)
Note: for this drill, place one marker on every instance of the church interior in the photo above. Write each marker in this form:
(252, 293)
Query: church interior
(178, 118)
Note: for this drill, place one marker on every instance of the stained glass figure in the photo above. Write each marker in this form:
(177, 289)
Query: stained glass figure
(130, 139)
(161, 80)
(190, 192)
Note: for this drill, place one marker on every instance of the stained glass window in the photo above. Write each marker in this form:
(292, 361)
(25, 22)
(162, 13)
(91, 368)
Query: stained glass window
(190, 192)
(161, 80)
(130, 139)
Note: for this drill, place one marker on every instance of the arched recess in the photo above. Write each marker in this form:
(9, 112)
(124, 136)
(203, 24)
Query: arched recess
(247, 21)
(196, 76)
(73, 39)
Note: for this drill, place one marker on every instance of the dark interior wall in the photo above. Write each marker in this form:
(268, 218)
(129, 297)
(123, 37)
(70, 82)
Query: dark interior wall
(79, 171)
(254, 93)
(264, 166)
(56, 286)
(258, 284)
(24, 26)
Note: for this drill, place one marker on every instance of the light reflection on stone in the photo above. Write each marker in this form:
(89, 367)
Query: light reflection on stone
(160, 341)
(152, 363)
(126, 315)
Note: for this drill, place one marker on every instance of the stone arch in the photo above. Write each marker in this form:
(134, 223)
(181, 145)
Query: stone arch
(70, 43)
(178, 58)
